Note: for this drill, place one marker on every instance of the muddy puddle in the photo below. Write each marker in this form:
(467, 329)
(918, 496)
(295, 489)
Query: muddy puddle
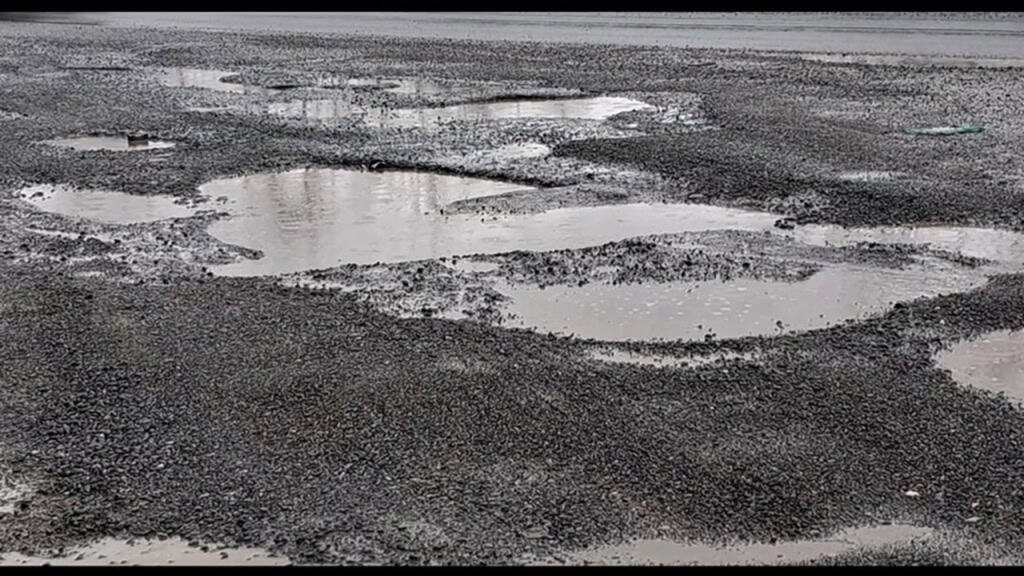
(174, 551)
(113, 143)
(323, 218)
(741, 307)
(1001, 246)
(199, 78)
(317, 218)
(868, 176)
(306, 219)
(214, 80)
(614, 356)
(994, 362)
(341, 108)
(312, 219)
(667, 552)
(103, 206)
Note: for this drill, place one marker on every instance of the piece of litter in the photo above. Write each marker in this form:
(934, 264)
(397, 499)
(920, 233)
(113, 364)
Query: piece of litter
(911, 493)
(973, 519)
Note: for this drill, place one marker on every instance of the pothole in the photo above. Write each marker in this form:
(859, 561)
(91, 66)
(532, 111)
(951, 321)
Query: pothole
(993, 361)
(309, 219)
(1002, 246)
(868, 176)
(103, 206)
(723, 309)
(199, 78)
(115, 143)
(110, 551)
(341, 107)
(667, 552)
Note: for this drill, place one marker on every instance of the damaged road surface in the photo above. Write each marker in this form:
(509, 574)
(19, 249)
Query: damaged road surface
(275, 297)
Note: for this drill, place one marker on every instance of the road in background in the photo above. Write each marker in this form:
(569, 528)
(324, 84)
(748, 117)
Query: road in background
(998, 35)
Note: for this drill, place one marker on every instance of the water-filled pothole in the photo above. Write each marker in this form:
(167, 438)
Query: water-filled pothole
(615, 356)
(338, 108)
(114, 143)
(994, 361)
(868, 176)
(321, 218)
(667, 552)
(141, 552)
(103, 206)
(199, 78)
(732, 309)
(1001, 246)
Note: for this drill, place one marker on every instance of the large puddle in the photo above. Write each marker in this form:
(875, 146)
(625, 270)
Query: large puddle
(671, 553)
(321, 218)
(339, 108)
(743, 307)
(114, 143)
(992, 362)
(103, 206)
(173, 551)
(214, 80)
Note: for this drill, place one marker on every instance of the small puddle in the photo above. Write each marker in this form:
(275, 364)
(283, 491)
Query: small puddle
(667, 552)
(737, 308)
(992, 362)
(321, 218)
(662, 361)
(1001, 246)
(110, 551)
(115, 143)
(103, 206)
(868, 176)
(199, 78)
(598, 108)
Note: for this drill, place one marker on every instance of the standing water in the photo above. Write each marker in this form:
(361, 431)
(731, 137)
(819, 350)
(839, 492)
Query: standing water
(995, 362)
(740, 307)
(113, 143)
(321, 218)
(103, 206)
(597, 108)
